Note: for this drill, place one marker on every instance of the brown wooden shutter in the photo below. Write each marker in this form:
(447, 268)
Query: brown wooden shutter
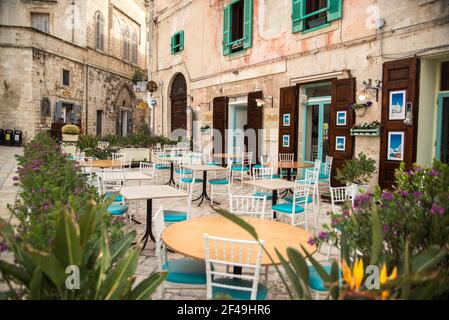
(398, 75)
(255, 122)
(343, 94)
(289, 105)
(220, 123)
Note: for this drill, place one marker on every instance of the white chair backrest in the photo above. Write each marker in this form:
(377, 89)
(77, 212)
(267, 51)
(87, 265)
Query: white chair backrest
(262, 173)
(196, 158)
(328, 165)
(110, 180)
(247, 205)
(247, 158)
(317, 165)
(286, 157)
(341, 195)
(147, 168)
(158, 228)
(301, 193)
(311, 176)
(223, 253)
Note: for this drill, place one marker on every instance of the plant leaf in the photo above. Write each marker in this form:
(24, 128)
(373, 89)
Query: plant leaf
(14, 271)
(377, 236)
(294, 278)
(302, 270)
(146, 288)
(49, 265)
(319, 269)
(67, 245)
(36, 285)
(118, 248)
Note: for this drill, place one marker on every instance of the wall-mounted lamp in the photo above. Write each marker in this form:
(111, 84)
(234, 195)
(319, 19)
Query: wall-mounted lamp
(409, 114)
(265, 100)
(371, 87)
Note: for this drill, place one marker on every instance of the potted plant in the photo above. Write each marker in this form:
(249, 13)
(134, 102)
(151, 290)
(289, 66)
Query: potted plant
(360, 108)
(357, 172)
(366, 129)
(70, 133)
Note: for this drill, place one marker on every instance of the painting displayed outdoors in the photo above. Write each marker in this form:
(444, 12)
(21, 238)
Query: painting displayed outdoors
(286, 120)
(341, 118)
(396, 146)
(286, 141)
(397, 105)
(340, 143)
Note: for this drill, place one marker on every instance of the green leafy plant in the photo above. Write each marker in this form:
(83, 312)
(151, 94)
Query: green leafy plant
(70, 129)
(138, 76)
(372, 125)
(358, 106)
(106, 268)
(358, 170)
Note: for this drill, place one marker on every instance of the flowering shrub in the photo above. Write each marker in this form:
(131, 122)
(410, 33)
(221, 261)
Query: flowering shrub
(364, 125)
(417, 211)
(49, 182)
(357, 106)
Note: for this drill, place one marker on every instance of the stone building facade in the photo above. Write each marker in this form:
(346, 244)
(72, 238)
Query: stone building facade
(72, 61)
(291, 67)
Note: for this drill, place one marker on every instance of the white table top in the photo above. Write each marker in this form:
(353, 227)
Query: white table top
(203, 167)
(272, 184)
(151, 192)
(135, 175)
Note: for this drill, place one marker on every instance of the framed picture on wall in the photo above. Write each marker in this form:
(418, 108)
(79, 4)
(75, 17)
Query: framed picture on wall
(286, 141)
(340, 143)
(395, 146)
(286, 120)
(341, 118)
(397, 105)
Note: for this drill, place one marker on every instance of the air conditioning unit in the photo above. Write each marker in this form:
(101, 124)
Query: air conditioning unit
(141, 86)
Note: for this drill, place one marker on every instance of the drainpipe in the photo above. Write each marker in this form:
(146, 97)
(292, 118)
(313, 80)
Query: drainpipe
(73, 21)
(87, 98)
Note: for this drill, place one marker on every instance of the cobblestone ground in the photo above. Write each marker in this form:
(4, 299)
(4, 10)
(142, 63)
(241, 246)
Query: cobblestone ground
(148, 261)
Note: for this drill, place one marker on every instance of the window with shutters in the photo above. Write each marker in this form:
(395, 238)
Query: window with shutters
(177, 42)
(99, 31)
(309, 15)
(40, 21)
(237, 26)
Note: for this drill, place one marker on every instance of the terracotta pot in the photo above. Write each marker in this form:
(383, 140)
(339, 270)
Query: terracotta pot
(70, 137)
(360, 112)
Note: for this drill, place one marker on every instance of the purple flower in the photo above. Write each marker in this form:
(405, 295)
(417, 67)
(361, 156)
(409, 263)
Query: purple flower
(346, 213)
(417, 194)
(47, 206)
(368, 104)
(418, 169)
(3, 247)
(15, 178)
(434, 173)
(78, 191)
(323, 235)
(387, 196)
(50, 242)
(403, 193)
(436, 209)
(386, 228)
(311, 241)
(361, 199)
(43, 190)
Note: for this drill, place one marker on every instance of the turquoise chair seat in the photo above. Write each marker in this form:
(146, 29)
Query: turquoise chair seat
(184, 171)
(276, 176)
(269, 195)
(238, 294)
(219, 182)
(212, 163)
(117, 209)
(190, 180)
(174, 216)
(186, 271)
(116, 197)
(323, 176)
(258, 166)
(240, 168)
(288, 208)
(162, 167)
(299, 199)
(315, 281)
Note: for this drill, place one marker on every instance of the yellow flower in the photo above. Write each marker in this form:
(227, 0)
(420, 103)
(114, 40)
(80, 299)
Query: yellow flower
(354, 279)
(384, 278)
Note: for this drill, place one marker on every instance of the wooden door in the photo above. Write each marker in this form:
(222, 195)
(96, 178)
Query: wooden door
(220, 123)
(255, 123)
(341, 143)
(288, 134)
(398, 76)
(178, 97)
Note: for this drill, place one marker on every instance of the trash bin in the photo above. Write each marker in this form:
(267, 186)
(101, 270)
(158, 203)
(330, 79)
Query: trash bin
(2, 136)
(17, 138)
(8, 137)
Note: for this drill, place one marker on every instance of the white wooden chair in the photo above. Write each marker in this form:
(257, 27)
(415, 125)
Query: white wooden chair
(243, 167)
(174, 216)
(183, 273)
(248, 205)
(161, 166)
(286, 157)
(220, 182)
(147, 168)
(109, 183)
(298, 207)
(224, 254)
(325, 175)
(262, 173)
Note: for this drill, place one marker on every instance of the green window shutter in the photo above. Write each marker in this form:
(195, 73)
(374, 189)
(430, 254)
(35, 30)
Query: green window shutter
(247, 24)
(335, 8)
(172, 44)
(298, 9)
(226, 30)
(181, 41)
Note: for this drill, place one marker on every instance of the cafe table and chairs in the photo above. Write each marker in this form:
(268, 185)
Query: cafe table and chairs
(260, 173)
(220, 185)
(150, 193)
(205, 169)
(242, 167)
(164, 163)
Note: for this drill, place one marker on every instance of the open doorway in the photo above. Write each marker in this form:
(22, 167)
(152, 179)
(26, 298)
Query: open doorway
(237, 124)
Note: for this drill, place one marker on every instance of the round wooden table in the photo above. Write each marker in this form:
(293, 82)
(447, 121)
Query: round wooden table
(102, 164)
(187, 239)
(290, 165)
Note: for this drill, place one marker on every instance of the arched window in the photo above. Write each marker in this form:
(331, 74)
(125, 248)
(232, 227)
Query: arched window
(126, 43)
(134, 46)
(99, 31)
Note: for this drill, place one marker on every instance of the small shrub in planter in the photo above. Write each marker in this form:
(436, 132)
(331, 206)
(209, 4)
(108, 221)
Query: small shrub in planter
(358, 170)
(70, 129)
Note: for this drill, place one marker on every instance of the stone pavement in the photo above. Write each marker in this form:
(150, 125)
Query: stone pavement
(148, 261)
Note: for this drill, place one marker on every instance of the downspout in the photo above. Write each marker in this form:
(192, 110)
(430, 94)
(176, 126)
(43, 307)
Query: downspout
(73, 21)
(87, 98)
(150, 17)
